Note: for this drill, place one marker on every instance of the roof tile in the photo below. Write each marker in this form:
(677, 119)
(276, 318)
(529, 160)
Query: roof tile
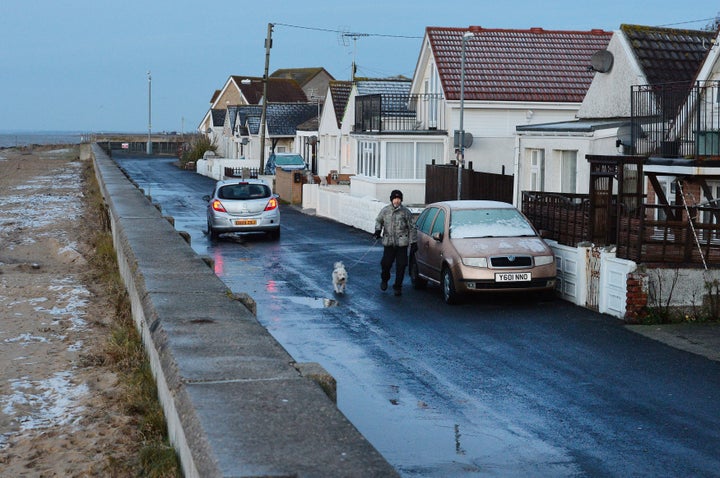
(516, 65)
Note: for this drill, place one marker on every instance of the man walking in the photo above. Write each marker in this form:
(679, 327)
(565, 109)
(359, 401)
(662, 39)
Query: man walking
(395, 225)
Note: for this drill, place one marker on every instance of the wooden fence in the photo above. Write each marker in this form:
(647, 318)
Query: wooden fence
(441, 184)
(562, 217)
(650, 234)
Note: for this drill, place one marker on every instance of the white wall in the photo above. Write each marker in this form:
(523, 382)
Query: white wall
(492, 126)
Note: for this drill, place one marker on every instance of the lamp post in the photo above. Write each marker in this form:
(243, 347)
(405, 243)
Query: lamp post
(263, 114)
(149, 140)
(461, 146)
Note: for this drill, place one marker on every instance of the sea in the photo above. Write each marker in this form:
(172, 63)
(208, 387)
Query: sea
(15, 139)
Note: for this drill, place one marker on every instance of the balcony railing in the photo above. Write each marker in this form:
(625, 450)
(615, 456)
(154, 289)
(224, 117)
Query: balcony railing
(399, 113)
(676, 120)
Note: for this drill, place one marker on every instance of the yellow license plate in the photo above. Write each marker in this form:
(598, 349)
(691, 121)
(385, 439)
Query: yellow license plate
(245, 222)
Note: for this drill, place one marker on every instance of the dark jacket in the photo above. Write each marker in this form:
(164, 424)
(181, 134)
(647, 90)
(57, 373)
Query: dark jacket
(397, 225)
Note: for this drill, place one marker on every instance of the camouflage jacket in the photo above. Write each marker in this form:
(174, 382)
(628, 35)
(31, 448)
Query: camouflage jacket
(397, 225)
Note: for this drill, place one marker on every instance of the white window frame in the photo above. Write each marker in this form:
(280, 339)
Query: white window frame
(537, 169)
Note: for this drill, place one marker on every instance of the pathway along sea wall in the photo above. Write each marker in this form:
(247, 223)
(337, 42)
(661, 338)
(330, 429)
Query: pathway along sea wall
(236, 403)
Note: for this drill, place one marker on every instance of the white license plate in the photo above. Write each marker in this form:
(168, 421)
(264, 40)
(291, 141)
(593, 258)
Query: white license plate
(513, 277)
(245, 222)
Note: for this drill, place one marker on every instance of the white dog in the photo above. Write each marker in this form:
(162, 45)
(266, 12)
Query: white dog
(339, 278)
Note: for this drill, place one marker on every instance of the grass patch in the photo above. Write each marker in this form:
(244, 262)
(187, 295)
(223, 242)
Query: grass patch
(124, 352)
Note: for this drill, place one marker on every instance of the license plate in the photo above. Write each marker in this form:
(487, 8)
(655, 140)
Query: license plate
(513, 277)
(245, 222)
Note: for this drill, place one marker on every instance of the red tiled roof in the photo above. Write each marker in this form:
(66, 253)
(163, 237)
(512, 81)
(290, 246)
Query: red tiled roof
(516, 65)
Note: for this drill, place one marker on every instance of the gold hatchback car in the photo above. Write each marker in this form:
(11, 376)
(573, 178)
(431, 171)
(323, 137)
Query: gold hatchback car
(479, 246)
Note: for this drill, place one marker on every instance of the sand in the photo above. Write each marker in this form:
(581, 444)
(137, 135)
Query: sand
(60, 411)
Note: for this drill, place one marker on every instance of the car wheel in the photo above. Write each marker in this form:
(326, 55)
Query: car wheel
(417, 281)
(274, 234)
(450, 295)
(212, 232)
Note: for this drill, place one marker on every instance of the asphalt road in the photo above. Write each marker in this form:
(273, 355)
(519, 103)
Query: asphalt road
(509, 385)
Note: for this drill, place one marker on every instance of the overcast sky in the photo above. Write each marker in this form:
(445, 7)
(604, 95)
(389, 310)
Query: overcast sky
(81, 65)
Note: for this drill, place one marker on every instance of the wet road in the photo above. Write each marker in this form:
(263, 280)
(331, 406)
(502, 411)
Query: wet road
(501, 386)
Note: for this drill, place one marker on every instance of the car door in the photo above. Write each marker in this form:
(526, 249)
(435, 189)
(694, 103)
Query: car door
(423, 225)
(433, 248)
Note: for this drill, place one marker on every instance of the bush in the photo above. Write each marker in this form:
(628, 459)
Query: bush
(197, 149)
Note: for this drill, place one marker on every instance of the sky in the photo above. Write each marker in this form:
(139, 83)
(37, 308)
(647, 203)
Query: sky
(82, 65)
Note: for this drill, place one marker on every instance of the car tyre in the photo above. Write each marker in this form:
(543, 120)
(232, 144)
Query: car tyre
(450, 295)
(417, 281)
(274, 235)
(212, 232)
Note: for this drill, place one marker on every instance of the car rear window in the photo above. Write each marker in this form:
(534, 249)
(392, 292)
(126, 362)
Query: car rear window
(244, 191)
(467, 223)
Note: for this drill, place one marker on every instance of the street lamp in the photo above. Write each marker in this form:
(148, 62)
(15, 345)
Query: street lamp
(461, 146)
(149, 141)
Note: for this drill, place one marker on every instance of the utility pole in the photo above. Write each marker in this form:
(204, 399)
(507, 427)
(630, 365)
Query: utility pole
(263, 115)
(149, 140)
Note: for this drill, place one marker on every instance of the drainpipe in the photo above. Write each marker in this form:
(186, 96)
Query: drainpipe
(516, 173)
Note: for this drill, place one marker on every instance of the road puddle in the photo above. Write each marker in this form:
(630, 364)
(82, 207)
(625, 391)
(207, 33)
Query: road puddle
(313, 302)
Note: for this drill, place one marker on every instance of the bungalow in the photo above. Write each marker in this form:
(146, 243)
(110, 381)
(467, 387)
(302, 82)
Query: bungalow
(244, 90)
(551, 156)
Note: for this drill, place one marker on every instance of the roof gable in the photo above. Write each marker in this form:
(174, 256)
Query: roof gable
(301, 75)
(340, 93)
(280, 90)
(516, 65)
(668, 55)
(282, 118)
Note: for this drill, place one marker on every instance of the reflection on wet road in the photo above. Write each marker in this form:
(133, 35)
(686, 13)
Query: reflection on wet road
(498, 386)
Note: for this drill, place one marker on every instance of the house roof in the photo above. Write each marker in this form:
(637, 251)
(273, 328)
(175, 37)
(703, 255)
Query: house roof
(282, 118)
(669, 55)
(301, 75)
(394, 94)
(340, 92)
(280, 90)
(575, 126)
(516, 65)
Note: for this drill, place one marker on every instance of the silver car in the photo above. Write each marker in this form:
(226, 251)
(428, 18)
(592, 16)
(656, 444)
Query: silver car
(242, 205)
(480, 246)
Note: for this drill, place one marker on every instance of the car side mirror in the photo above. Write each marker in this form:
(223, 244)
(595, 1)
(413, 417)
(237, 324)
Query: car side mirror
(206, 198)
(438, 236)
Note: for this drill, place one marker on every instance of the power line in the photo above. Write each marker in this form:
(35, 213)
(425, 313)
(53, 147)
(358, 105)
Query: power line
(347, 33)
(685, 23)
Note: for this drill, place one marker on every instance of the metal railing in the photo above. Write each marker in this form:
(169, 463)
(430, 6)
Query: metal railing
(676, 120)
(394, 113)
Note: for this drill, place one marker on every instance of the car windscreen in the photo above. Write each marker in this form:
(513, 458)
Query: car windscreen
(467, 223)
(244, 191)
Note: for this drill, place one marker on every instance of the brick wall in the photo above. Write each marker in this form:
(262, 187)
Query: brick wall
(637, 296)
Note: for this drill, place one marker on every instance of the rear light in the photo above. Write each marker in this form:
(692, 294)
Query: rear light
(217, 206)
(272, 204)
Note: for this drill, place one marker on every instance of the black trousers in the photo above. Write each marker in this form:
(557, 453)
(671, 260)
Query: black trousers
(398, 255)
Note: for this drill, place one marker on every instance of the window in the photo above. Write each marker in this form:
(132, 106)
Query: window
(424, 221)
(400, 161)
(568, 172)
(368, 159)
(439, 225)
(537, 169)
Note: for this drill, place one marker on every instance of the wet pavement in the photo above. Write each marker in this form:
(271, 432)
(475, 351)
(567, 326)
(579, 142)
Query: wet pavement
(502, 386)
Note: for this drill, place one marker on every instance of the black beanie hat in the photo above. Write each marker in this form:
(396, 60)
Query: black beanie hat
(396, 194)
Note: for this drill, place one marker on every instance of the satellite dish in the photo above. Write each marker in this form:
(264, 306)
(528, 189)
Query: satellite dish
(467, 139)
(602, 61)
